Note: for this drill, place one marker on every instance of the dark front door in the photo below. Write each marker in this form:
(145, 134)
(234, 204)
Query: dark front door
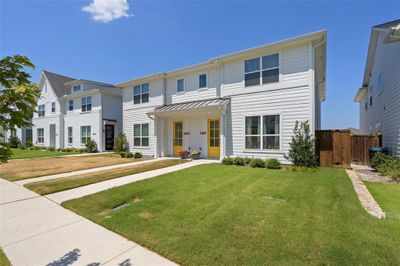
(109, 137)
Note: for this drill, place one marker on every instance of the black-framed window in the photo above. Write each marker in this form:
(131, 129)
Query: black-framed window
(70, 105)
(261, 70)
(262, 132)
(370, 100)
(86, 103)
(70, 135)
(141, 135)
(366, 105)
(141, 93)
(53, 107)
(202, 81)
(41, 110)
(40, 135)
(86, 133)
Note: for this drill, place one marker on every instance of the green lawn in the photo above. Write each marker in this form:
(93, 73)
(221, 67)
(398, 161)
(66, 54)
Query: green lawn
(388, 197)
(3, 259)
(60, 184)
(227, 215)
(20, 154)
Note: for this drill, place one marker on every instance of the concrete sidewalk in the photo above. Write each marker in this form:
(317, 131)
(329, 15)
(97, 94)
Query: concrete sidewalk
(36, 231)
(62, 196)
(86, 171)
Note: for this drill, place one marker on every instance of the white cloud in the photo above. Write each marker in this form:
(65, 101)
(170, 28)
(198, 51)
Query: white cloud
(107, 10)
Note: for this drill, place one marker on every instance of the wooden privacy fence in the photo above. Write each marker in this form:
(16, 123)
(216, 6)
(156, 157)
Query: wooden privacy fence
(340, 148)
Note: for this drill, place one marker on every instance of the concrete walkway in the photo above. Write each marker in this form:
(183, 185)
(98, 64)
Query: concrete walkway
(367, 201)
(62, 196)
(36, 231)
(86, 171)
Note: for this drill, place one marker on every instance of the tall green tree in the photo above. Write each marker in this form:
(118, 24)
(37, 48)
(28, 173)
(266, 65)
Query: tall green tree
(18, 97)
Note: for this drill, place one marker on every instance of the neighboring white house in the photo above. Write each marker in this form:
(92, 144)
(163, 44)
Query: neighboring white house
(71, 111)
(379, 95)
(241, 104)
(24, 134)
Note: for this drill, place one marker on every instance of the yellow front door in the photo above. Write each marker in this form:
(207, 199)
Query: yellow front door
(213, 138)
(177, 137)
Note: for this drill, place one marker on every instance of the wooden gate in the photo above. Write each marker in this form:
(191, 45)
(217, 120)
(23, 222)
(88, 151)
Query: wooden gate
(340, 148)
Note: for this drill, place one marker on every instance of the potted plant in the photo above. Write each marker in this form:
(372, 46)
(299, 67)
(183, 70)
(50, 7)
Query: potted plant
(195, 154)
(184, 154)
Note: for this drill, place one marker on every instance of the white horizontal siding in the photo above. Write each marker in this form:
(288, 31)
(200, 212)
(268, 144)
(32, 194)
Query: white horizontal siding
(138, 116)
(192, 91)
(155, 87)
(385, 108)
(292, 104)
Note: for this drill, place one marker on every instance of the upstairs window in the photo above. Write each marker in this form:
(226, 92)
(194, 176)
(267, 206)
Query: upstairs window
(262, 70)
(70, 105)
(141, 135)
(180, 85)
(270, 68)
(53, 107)
(370, 100)
(252, 72)
(86, 104)
(41, 110)
(378, 85)
(77, 88)
(141, 93)
(85, 134)
(202, 81)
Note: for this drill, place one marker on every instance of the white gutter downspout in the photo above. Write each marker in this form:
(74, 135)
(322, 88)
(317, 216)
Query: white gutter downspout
(313, 85)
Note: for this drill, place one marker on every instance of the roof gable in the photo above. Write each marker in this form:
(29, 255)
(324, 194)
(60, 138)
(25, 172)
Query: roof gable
(57, 83)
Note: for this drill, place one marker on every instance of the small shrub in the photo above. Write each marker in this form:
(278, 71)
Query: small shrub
(14, 141)
(138, 155)
(247, 160)
(129, 155)
(302, 148)
(387, 165)
(23, 147)
(91, 146)
(29, 143)
(38, 148)
(273, 164)
(257, 163)
(239, 161)
(227, 161)
(123, 154)
(51, 149)
(82, 150)
(121, 144)
(379, 159)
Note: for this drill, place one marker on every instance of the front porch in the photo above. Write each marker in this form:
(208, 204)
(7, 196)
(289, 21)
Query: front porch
(192, 126)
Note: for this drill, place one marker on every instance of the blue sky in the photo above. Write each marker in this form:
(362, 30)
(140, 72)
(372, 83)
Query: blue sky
(163, 35)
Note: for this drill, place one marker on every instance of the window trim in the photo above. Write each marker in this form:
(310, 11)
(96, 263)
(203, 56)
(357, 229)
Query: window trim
(86, 137)
(40, 111)
(279, 53)
(261, 135)
(86, 105)
(184, 85)
(69, 105)
(141, 135)
(198, 77)
(141, 93)
(70, 137)
(38, 137)
(75, 91)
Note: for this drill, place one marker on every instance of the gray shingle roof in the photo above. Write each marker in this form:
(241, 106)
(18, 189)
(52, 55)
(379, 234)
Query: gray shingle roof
(192, 105)
(57, 82)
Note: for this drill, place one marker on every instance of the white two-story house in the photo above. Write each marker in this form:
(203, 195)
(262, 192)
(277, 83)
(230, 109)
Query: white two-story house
(379, 95)
(72, 111)
(241, 104)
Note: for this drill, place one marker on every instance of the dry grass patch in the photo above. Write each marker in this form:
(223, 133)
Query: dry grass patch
(30, 168)
(64, 183)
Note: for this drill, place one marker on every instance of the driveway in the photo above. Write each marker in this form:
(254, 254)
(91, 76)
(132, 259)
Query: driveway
(36, 231)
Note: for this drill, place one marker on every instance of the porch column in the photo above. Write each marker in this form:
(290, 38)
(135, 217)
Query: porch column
(222, 134)
(156, 137)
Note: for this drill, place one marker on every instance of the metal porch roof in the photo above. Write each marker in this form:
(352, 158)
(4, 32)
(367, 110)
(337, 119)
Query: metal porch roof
(192, 105)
